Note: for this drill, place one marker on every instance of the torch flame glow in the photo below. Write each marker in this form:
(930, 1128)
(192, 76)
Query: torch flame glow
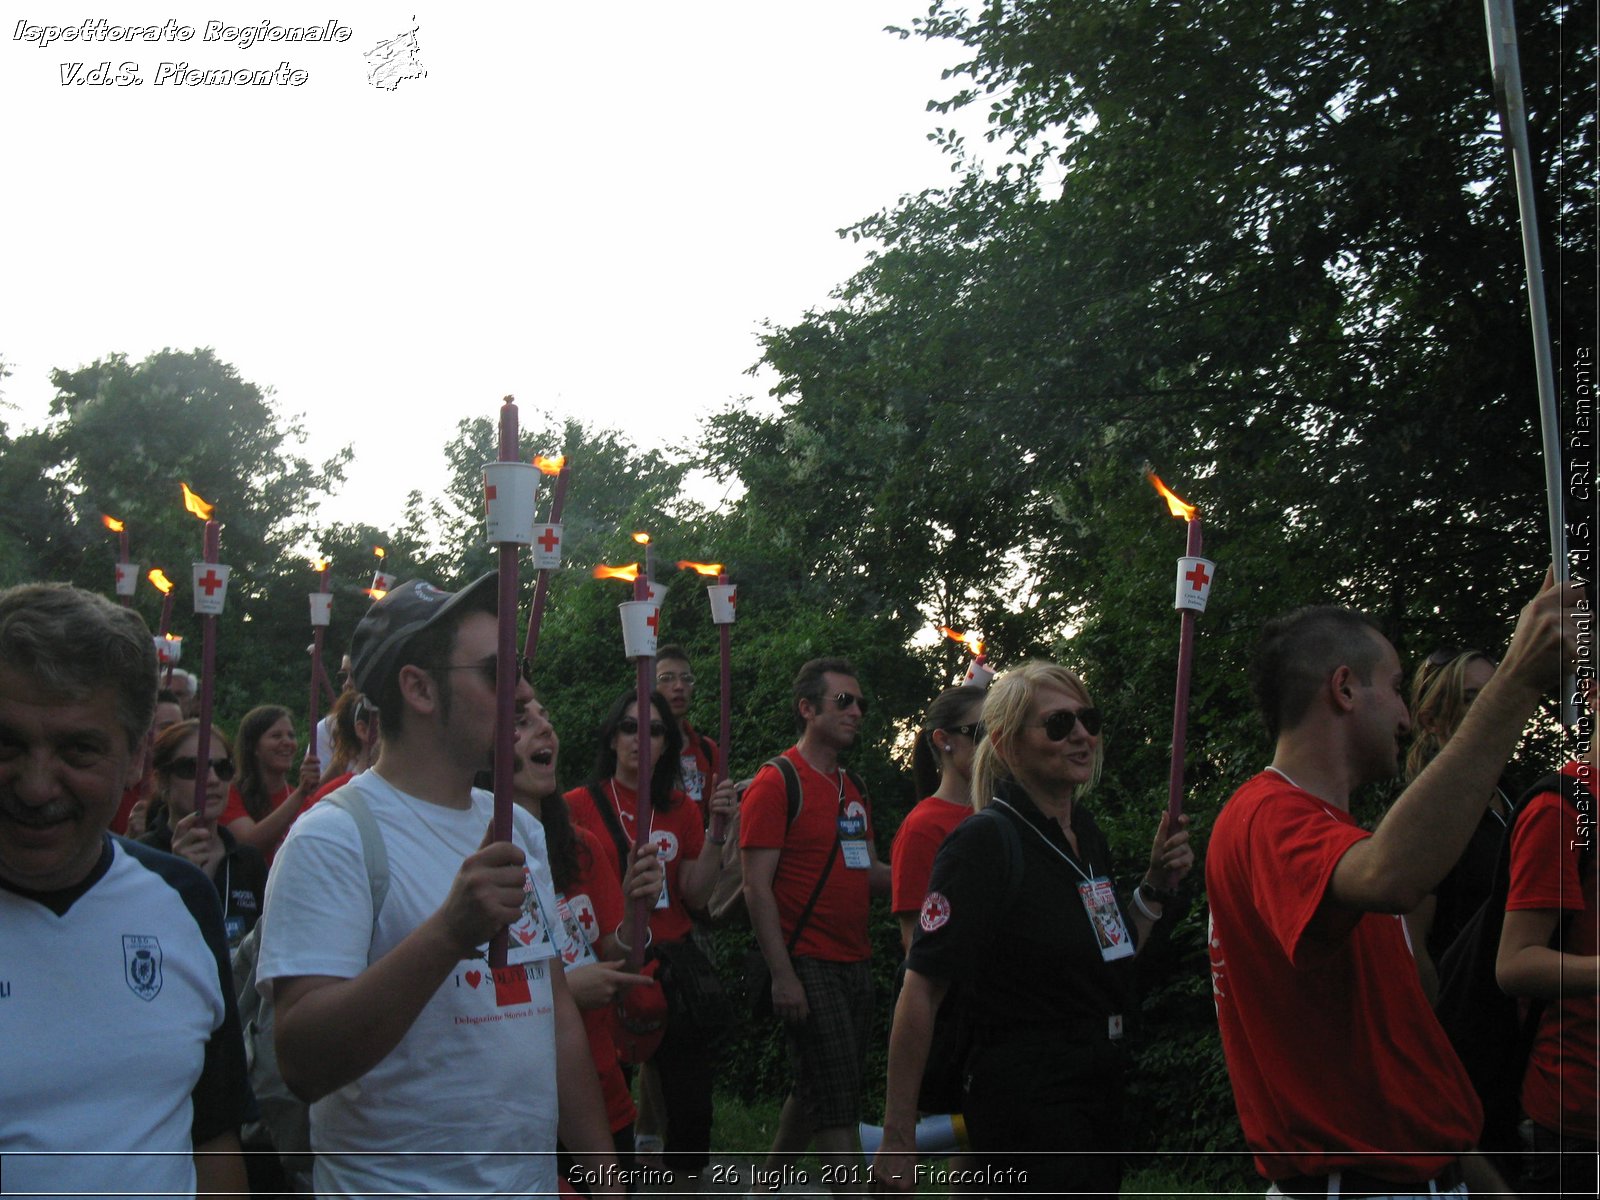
(172, 637)
(379, 551)
(701, 568)
(159, 577)
(1177, 507)
(971, 640)
(321, 564)
(642, 538)
(112, 523)
(376, 593)
(550, 466)
(196, 505)
(629, 572)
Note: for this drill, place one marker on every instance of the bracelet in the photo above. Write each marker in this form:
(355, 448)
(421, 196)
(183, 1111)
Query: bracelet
(649, 935)
(1144, 909)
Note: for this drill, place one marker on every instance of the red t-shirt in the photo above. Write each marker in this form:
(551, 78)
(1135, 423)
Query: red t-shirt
(593, 901)
(837, 930)
(235, 809)
(1558, 1090)
(677, 832)
(915, 843)
(1332, 1048)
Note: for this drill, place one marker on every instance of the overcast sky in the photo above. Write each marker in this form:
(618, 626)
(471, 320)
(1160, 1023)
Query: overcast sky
(592, 207)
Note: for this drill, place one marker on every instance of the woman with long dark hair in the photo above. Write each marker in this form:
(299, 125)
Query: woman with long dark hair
(1022, 910)
(591, 904)
(941, 765)
(685, 1061)
(262, 805)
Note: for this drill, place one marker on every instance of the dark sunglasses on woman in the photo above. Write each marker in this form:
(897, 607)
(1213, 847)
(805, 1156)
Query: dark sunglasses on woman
(628, 727)
(184, 768)
(1058, 726)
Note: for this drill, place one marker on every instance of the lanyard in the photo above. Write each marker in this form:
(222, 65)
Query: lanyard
(1039, 833)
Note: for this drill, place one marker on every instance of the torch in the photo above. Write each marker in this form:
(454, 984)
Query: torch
(724, 598)
(321, 614)
(127, 572)
(641, 622)
(546, 548)
(382, 582)
(1506, 66)
(210, 592)
(1193, 590)
(162, 584)
(509, 488)
(979, 673)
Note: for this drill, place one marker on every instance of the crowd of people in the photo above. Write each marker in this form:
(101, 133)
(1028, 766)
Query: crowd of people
(371, 892)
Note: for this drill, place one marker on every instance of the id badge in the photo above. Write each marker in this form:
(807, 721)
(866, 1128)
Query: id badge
(853, 840)
(663, 901)
(856, 856)
(530, 938)
(1110, 930)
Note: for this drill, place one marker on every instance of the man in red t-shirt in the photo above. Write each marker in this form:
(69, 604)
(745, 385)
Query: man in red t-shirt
(824, 860)
(1553, 885)
(1344, 1081)
(698, 760)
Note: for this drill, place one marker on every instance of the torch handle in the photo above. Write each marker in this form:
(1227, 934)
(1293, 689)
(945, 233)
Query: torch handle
(639, 917)
(202, 745)
(505, 720)
(316, 680)
(719, 823)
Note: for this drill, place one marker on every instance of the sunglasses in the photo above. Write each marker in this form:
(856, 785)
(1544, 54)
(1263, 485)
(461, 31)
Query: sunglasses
(628, 727)
(186, 768)
(489, 668)
(845, 701)
(1058, 726)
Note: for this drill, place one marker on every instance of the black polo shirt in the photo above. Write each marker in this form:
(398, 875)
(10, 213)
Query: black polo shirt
(1037, 960)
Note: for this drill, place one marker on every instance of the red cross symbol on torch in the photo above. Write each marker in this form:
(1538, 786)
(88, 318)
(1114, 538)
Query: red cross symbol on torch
(548, 540)
(1198, 577)
(210, 581)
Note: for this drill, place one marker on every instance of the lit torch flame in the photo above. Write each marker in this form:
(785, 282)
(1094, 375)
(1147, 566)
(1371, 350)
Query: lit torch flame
(642, 538)
(377, 593)
(629, 572)
(196, 505)
(971, 640)
(701, 568)
(1176, 506)
(379, 551)
(159, 577)
(550, 466)
(112, 523)
(172, 637)
(321, 564)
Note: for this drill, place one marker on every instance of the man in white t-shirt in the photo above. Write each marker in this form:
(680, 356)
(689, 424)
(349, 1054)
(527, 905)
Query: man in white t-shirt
(427, 1071)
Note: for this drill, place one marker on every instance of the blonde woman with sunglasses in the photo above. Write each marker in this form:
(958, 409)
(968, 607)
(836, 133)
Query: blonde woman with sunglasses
(1023, 910)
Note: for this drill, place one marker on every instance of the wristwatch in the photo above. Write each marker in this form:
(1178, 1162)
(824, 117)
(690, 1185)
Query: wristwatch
(1156, 895)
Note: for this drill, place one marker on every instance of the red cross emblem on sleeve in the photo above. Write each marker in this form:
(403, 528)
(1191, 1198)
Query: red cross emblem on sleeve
(210, 582)
(1197, 577)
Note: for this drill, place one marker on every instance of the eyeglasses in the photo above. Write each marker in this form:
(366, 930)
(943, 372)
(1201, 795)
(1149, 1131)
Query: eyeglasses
(845, 701)
(628, 727)
(186, 768)
(973, 731)
(490, 669)
(668, 678)
(1058, 726)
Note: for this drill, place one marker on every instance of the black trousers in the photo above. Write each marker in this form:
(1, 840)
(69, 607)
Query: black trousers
(1049, 1111)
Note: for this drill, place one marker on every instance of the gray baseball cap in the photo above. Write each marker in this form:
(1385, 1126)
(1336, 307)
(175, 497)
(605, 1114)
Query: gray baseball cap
(409, 609)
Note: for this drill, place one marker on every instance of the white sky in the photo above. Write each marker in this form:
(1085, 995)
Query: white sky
(593, 207)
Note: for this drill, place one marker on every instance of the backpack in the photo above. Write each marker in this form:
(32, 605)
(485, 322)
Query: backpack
(726, 905)
(1482, 1022)
(285, 1121)
(944, 1079)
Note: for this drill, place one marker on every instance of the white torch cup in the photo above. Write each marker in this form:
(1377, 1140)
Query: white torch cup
(509, 489)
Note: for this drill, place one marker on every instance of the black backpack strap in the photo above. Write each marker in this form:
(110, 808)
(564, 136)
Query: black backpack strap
(1011, 840)
(793, 795)
(602, 805)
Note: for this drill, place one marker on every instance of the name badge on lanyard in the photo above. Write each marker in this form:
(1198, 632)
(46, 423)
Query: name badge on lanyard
(853, 841)
(1105, 917)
